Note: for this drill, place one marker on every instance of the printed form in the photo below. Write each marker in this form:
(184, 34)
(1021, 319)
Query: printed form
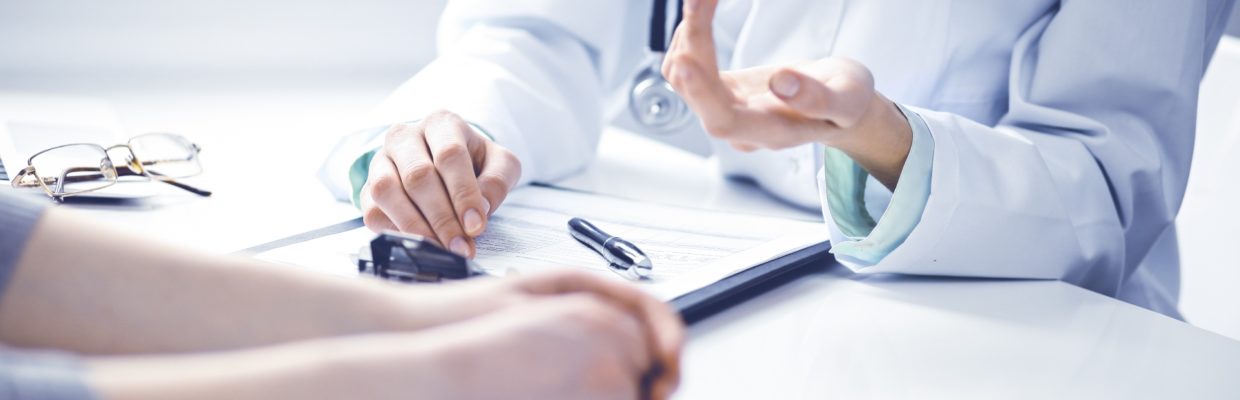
(689, 248)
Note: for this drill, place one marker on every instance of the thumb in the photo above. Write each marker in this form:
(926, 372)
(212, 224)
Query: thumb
(837, 98)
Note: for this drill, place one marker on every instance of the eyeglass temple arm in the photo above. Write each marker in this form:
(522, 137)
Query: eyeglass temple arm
(124, 170)
(129, 172)
(188, 188)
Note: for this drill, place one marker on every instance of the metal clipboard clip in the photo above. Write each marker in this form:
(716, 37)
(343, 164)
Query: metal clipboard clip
(412, 258)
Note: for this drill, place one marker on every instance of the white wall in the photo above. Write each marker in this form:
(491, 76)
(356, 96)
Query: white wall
(221, 35)
(55, 36)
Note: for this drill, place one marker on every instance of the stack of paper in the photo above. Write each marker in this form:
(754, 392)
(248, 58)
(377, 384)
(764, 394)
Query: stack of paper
(690, 248)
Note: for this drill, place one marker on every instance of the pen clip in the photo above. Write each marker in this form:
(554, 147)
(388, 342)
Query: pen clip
(622, 257)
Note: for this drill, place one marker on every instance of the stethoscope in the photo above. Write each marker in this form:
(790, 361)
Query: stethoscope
(652, 101)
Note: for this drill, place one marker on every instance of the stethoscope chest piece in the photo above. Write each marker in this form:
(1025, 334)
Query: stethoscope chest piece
(655, 105)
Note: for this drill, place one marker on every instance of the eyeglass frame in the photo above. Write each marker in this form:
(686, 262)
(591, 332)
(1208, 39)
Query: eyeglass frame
(19, 180)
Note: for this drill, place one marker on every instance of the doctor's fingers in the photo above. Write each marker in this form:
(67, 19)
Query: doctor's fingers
(695, 35)
(372, 215)
(705, 93)
(744, 147)
(692, 70)
(500, 172)
(385, 204)
(838, 91)
(767, 123)
(692, 35)
(454, 147)
(421, 181)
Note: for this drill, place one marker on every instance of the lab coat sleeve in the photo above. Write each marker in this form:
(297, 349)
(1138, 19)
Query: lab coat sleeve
(866, 241)
(1089, 165)
(532, 73)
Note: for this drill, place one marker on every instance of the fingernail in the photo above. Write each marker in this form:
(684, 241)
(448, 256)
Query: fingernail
(786, 85)
(459, 246)
(473, 222)
(486, 206)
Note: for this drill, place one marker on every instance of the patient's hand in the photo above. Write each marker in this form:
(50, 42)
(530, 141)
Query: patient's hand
(438, 178)
(560, 335)
(576, 346)
(555, 334)
(831, 101)
(442, 305)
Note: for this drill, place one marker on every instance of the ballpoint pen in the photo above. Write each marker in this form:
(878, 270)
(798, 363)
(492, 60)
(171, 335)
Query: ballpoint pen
(623, 257)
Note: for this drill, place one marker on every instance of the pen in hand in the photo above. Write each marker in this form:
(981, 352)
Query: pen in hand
(623, 257)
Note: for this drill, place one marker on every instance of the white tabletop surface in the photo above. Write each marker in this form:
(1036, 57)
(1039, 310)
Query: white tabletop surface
(828, 334)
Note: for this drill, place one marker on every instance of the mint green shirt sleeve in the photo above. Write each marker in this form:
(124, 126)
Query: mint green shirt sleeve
(359, 170)
(870, 240)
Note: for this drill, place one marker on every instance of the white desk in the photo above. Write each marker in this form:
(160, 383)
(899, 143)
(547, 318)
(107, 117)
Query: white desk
(829, 334)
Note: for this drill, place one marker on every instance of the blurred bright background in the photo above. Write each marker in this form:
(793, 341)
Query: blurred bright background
(267, 88)
(300, 74)
(169, 39)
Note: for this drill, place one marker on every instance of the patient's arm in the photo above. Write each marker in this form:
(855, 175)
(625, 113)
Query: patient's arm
(85, 288)
(88, 289)
(572, 347)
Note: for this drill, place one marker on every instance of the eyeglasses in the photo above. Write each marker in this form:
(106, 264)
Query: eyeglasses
(75, 169)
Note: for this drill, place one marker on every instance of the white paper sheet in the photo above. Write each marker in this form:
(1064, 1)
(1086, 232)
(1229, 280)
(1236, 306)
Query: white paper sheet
(689, 248)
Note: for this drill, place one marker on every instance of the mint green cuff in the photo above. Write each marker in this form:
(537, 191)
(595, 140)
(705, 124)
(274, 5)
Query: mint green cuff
(359, 170)
(869, 241)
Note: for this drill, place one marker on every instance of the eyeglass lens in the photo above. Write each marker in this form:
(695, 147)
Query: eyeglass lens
(74, 168)
(166, 156)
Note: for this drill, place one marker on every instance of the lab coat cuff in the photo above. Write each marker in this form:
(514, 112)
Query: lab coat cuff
(334, 173)
(861, 241)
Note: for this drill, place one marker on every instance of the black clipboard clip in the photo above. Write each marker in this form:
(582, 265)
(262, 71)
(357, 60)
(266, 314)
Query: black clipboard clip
(412, 258)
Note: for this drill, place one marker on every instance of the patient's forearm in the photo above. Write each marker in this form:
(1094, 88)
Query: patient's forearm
(371, 367)
(87, 289)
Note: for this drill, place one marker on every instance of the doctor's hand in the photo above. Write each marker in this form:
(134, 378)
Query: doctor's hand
(830, 101)
(438, 178)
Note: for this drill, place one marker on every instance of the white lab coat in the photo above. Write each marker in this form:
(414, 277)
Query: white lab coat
(1063, 130)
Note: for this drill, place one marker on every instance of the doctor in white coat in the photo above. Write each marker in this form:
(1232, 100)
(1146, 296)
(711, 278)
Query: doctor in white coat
(1015, 139)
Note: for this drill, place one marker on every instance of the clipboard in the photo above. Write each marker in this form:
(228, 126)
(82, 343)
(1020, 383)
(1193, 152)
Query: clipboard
(711, 299)
(693, 306)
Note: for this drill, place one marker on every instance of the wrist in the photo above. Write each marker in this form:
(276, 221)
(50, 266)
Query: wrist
(441, 363)
(391, 307)
(403, 309)
(302, 370)
(880, 142)
(393, 365)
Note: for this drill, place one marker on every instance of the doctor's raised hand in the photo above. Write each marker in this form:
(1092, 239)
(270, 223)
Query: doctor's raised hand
(830, 101)
(438, 178)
